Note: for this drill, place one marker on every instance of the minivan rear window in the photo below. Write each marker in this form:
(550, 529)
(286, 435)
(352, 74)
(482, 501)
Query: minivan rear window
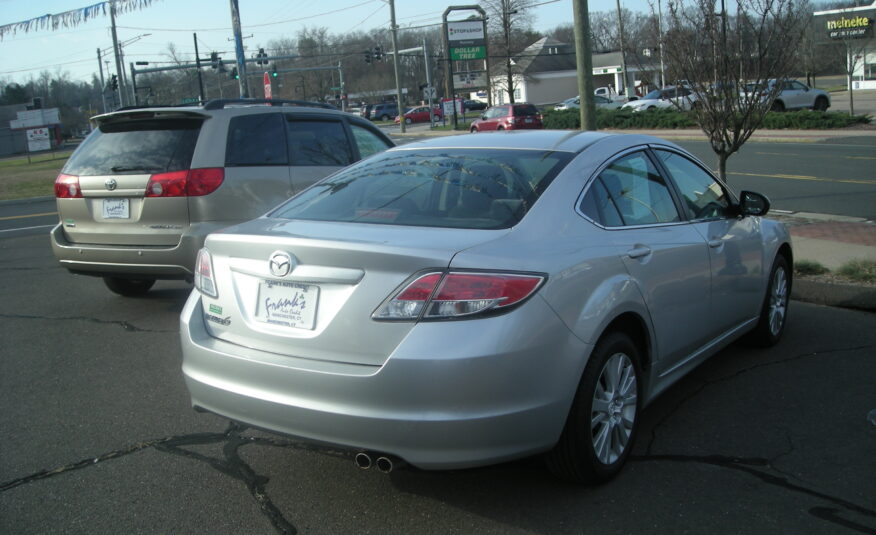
(136, 147)
(525, 110)
(450, 188)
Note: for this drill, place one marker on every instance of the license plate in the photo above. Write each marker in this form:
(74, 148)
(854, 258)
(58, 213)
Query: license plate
(527, 120)
(116, 209)
(289, 304)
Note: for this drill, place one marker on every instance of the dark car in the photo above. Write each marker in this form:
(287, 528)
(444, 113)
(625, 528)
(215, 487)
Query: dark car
(384, 111)
(508, 117)
(475, 105)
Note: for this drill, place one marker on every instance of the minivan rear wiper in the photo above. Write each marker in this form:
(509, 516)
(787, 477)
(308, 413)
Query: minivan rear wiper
(122, 168)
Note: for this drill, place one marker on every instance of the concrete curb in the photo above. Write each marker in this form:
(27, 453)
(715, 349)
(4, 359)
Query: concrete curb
(834, 294)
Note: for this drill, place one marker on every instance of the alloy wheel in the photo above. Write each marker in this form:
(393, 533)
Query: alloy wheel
(613, 412)
(778, 301)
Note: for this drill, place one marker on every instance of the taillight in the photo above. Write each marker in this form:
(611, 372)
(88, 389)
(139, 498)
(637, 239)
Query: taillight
(67, 187)
(204, 280)
(191, 183)
(458, 294)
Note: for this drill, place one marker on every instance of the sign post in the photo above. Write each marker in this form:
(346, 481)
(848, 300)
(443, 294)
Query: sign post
(466, 40)
(268, 92)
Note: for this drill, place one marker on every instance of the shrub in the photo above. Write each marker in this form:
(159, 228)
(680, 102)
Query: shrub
(859, 270)
(808, 119)
(809, 267)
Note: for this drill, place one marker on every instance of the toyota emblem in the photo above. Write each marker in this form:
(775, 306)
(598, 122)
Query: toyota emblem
(110, 184)
(281, 263)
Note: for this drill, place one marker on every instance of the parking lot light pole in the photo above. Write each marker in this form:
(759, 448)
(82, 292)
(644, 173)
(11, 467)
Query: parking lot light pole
(398, 94)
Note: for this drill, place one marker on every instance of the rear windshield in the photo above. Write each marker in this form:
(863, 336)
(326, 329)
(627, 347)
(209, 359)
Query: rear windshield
(136, 147)
(525, 109)
(450, 188)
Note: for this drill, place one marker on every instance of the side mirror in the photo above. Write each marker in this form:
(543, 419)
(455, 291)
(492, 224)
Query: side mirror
(484, 116)
(751, 203)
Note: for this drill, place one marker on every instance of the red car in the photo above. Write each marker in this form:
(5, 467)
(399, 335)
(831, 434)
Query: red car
(420, 114)
(508, 117)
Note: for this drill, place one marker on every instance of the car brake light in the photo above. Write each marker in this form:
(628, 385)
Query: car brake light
(186, 183)
(67, 187)
(204, 281)
(458, 294)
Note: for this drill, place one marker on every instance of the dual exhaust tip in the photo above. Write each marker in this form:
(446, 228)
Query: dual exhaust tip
(384, 463)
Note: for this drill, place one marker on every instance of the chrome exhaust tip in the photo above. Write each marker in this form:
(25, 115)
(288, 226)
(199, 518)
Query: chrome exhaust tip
(363, 460)
(385, 465)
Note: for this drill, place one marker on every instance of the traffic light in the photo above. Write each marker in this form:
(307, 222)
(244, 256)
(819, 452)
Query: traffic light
(233, 74)
(214, 60)
(274, 70)
(114, 82)
(261, 57)
(378, 54)
(367, 56)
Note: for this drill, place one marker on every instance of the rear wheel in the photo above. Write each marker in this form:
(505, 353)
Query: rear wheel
(774, 311)
(601, 427)
(384, 117)
(820, 104)
(473, 130)
(128, 287)
(408, 120)
(778, 106)
(501, 128)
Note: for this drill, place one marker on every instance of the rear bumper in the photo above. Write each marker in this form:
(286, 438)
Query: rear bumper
(442, 400)
(157, 262)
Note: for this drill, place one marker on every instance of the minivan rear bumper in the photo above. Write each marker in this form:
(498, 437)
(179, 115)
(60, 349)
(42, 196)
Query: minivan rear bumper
(157, 262)
(452, 395)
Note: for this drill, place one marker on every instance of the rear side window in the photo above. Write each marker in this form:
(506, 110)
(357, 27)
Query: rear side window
(136, 147)
(318, 142)
(525, 110)
(256, 140)
(460, 188)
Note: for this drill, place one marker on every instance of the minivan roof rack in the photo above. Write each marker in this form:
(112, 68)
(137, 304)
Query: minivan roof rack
(219, 103)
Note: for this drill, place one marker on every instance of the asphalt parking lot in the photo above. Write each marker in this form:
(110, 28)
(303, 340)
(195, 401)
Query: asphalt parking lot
(99, 437)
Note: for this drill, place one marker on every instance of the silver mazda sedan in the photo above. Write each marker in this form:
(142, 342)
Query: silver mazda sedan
(472, 299)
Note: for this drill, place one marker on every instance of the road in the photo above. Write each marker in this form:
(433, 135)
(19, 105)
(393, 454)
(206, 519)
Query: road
(99, 437)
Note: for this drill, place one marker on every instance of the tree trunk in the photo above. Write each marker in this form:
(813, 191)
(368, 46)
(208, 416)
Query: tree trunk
(722, 166)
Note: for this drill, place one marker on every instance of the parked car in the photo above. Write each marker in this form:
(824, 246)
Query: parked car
(380, 112)
(793, 95)
(475, 105)
(452, 306)
(140, 194)
(420, 114)
(677, 97)
(508, 117)
(601, 102)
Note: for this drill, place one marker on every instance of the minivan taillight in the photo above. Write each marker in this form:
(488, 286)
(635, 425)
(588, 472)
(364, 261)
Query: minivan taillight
(186, 183)
(458, 294)
(67, 187)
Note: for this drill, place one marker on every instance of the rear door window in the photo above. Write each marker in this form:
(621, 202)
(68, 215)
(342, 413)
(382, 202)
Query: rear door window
(256, 140)
(318, 142)
(136, 147)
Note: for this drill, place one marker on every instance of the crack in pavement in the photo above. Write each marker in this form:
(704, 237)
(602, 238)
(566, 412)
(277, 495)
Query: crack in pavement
(734, 375)
(747, 465)
(232, 465)
(123, 324)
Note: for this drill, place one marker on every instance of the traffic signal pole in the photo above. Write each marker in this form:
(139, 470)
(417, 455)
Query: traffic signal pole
(201, 95)
(116, 53)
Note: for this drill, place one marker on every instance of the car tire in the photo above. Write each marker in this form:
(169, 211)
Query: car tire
(652, 107)
(778, 106)
(500, 128)
(408, 120)
(774, 310)
(820, 104)
(384, 117)
(128, 287)
(473, 130)
(588, 453)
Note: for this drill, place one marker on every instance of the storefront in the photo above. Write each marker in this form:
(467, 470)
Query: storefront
(853, 29)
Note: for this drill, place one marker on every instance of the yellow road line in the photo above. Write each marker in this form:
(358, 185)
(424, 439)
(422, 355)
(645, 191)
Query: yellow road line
(26, 216)
(792, 154)
(810, 178)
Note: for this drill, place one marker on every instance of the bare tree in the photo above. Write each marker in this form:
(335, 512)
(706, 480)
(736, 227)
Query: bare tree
(509, 20)
(727, 60)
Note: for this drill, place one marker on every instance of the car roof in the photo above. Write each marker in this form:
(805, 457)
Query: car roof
(560, 140)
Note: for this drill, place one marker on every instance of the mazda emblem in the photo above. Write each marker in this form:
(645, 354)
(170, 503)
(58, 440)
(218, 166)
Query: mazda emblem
(281, 263)
(110, 184)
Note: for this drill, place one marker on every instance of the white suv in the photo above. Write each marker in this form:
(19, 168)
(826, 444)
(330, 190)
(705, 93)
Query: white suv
(792, 96)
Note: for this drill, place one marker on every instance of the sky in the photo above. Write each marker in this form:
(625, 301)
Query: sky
(74, 50)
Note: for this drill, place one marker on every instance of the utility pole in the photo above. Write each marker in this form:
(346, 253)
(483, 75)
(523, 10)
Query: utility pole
(428, 83)
(398, 94)
(343, 88)
(585, 64)
(620, 27)
(238, 50)
(660, 39)
(506, 25)
(201, 94)
(102, 83)
(117, 52)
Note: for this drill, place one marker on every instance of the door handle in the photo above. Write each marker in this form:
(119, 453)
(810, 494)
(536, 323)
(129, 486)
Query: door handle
(639, 252)
(717, 242)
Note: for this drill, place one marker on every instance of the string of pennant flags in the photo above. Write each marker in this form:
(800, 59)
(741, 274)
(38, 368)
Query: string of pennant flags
(72, 18)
